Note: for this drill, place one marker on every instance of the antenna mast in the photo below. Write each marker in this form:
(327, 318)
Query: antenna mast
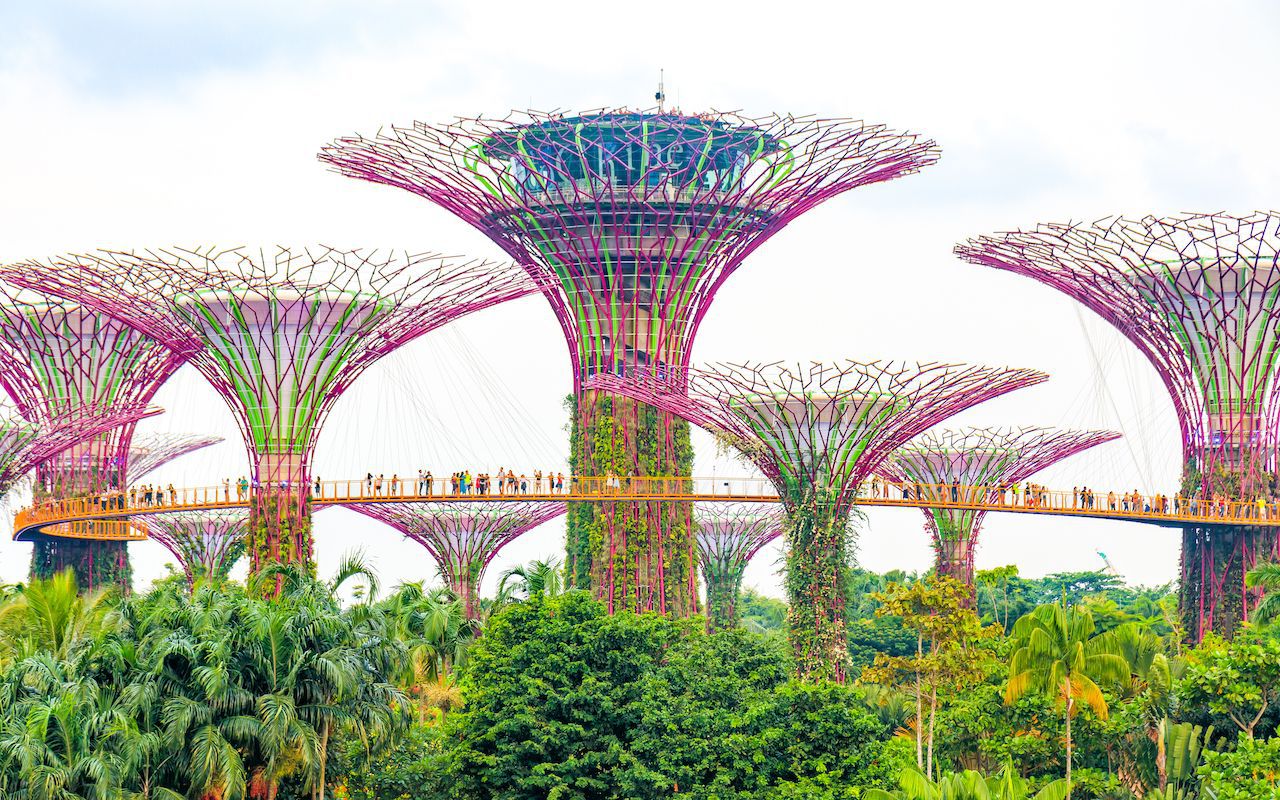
(661, 94)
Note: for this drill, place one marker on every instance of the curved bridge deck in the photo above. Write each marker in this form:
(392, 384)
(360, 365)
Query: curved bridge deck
(87, 518)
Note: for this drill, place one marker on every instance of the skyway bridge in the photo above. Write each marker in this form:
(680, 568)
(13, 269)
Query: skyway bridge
(84, 517)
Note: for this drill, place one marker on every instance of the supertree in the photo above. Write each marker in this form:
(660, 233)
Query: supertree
(25, 444)
(974, 466)
(630, 221)
(280, 334)
(148, 452)
(206, 543)
(1197, 295)
(817, 431)
(57, 357)
(463, 537)
(728, 536)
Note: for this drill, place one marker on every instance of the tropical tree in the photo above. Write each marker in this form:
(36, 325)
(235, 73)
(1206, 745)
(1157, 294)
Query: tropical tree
(539, 577)
(1239, 679)
(434, 628)
(51, 616)
(1266, 578)
(1058, 655)
(947, 634)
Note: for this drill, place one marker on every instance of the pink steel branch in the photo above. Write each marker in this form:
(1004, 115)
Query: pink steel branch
(1196, 294)
(151, 451)
(628, 241)
(24, 445)
(58, 357)
(821, 427)
(463, 538)
(977, 465)
(260, 324)
(204, 542)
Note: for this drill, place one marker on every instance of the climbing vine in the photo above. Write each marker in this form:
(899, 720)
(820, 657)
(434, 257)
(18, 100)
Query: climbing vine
(818, 574)
(636, 555)
(1216, 557)
(280, 532)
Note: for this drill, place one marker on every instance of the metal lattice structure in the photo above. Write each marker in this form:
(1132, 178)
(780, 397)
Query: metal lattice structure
(24, 444)
(463, 539)
(280, 334)
(1197, 295)
(728, 536)
(58, 357)
(817, 431)
(630, 221)
(975, 465)
(150, 451)
(207, 544)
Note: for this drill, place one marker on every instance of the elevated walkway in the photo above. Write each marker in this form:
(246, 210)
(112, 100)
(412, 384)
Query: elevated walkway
(84, 517)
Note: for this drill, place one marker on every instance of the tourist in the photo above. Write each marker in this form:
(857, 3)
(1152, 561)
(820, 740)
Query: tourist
(559, 483)
(377, 485)
(955, 490)
(537, 481)
(524, 484)
(226, 490)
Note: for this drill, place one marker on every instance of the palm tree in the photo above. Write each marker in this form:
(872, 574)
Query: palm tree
(51, 616)
(1059, 655)
(1267, 578)
(435, 630)
(543, 577)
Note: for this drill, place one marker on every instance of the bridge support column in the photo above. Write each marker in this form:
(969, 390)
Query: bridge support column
(632, 555)
(953, 558)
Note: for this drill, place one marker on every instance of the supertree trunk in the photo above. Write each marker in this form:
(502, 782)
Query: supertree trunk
(1215, 558)
(953, 558)
(632, 555)
(722, 599)
(818, 571)
(280, 516)
(96, 563)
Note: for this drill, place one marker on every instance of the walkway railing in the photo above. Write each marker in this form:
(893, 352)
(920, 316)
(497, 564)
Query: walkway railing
(56, 517)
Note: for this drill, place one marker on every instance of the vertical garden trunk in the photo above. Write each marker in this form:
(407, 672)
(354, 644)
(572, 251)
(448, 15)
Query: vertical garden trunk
(817, 580)
(632, 555)
(92, 469)
(953, 555)
(95, 563)
(723, 591)
(280, 515)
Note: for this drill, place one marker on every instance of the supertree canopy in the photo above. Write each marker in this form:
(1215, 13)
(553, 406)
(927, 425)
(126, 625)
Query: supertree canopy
(728, 536)
(1197, 294)
(630, 221)
(149, 452)
(817, 431)
(57, 357)
(974, 466)
(206, 543)
(25, 444)
(463, 537)
(280, 334)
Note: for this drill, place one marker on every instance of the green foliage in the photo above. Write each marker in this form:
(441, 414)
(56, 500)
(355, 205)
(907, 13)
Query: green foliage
(968, 785)
(1265, 578)
(565, 701)
(1239, 679)
(96, 563)
(818, 582)
(394, 773)
(1250, 772)
(1058, 656)
(760, 614)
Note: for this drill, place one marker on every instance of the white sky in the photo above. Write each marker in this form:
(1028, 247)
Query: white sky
(134, 124)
